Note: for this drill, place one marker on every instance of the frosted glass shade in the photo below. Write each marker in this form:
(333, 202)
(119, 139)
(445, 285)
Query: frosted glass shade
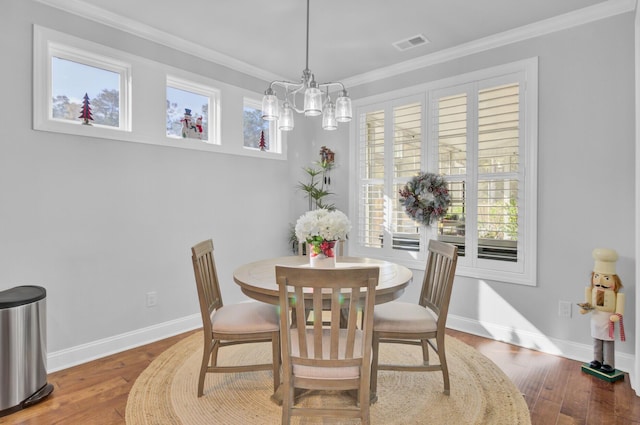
(312, 101)
(285, 123)
(329, 117)
(343, 109)
(270, 110)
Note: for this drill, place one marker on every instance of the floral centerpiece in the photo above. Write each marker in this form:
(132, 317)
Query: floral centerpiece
(321, 229)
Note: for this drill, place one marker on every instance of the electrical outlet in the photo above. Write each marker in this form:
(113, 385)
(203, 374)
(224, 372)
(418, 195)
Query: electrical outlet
(564, 309)
(152, 299)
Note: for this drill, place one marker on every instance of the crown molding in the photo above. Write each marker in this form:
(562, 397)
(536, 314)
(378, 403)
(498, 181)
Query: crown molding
(119, 22)
(557, 23)
(579, 17)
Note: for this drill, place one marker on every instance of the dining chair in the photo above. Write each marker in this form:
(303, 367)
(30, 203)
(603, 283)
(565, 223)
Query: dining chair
(321, 357)
(422, 323)
(231, 324)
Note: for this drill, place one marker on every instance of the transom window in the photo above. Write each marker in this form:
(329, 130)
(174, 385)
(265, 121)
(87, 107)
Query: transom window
(92, 90)
(75, 86)
(79, 90)
(191, 110)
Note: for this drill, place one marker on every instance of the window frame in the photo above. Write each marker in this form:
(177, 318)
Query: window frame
(386, 251)
(525, 271)
(49, 44)
(145, 96)
(212, 94)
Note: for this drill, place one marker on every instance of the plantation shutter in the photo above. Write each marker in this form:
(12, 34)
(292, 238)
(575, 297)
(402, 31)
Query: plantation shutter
(371, 159)
(452, 164)
(389, 155)
(478, 133)
(498, 164)
(407, 153)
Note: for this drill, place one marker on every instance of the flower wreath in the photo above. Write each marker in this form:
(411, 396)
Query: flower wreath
(425, 197)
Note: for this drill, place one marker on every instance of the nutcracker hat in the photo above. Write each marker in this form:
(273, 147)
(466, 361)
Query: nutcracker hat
(605, 260)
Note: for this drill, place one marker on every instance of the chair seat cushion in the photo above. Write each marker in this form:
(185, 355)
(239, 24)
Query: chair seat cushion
(313, 372)
(247, 317)
(403, 317)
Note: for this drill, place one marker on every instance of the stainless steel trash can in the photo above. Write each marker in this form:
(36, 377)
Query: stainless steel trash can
(23, 348)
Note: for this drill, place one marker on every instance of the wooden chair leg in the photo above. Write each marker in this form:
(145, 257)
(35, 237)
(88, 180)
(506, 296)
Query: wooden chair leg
(425, 352)
(206, 356)
(375, 345)
(275, 352)
(287, 404)
(364, 407)
(443, 363)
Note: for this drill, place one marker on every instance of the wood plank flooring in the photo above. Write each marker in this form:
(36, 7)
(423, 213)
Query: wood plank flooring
(555, 389)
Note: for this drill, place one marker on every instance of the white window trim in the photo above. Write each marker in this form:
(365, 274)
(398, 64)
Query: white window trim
(212, 94)
(482, 269)
(49, 44)
(415, 259)
(146, 94)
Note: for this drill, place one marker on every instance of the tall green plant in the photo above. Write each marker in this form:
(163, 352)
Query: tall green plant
(316, 188)
(315, 191)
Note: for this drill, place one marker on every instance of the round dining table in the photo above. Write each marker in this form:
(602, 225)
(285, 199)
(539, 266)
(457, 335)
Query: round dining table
(257, 280)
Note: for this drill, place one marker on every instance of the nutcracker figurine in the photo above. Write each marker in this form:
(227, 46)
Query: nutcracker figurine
(606, 306)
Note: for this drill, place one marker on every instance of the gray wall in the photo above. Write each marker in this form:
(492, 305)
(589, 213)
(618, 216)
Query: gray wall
(99, 223)
(585, 185)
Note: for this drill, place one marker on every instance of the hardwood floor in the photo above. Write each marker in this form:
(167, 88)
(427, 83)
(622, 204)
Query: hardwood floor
(555, 389)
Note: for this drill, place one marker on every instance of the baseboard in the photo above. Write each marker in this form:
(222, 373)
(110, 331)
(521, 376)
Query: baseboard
(534, 341)
(79, 354)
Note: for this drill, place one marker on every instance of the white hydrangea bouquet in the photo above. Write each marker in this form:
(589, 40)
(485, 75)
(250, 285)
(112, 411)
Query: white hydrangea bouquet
(321, 229)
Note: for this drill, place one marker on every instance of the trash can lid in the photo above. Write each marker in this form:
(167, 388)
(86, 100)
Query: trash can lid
(21, 295)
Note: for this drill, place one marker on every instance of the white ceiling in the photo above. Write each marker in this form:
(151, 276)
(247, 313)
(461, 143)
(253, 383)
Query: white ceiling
(347, 37)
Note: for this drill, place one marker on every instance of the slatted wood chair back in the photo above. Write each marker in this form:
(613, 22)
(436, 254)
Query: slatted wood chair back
(326, 356)
(206, 276)
(438, 278)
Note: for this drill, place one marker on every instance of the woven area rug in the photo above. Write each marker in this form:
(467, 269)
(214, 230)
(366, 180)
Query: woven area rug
(165, 392)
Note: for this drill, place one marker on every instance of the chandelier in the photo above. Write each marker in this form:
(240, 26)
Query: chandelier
(313, 105)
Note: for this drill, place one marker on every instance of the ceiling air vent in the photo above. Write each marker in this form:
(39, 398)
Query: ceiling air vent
(411, 42)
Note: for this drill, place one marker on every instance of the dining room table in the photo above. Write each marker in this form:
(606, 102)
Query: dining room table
(257, 280)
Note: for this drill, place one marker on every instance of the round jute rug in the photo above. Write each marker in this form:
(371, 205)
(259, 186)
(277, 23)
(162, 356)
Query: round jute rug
(165, 392)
